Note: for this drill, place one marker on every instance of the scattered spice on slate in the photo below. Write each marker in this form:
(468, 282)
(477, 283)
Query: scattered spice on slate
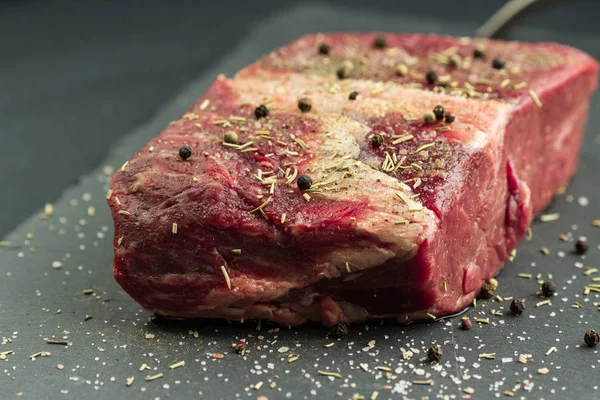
(377, 140)
(487, 291)
(498, 63)
(154, 377)
(465, 323)
(230, 137)
(517, 307)
(52, 341)
(449, 118)
(439, 112)
(185, 152)
(581, 246)
(240, 347)
(304, 182)
(379, 42)
(305, 104)
(478, 53)
(261, 111)
(429, 117)
(431, 77)
(434, 353)
(353, 95)
(591, 338)
(177, 365)
(324, 49)
(340, 330)
(548, 288)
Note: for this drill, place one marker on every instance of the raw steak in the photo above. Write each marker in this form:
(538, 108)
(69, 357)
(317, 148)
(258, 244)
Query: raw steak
(406, 216)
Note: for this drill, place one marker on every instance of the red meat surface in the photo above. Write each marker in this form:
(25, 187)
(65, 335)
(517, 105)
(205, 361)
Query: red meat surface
(408, 230)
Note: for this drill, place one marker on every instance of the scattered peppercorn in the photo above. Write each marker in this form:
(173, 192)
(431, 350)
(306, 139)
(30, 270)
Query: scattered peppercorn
(343, 72)
(581, 246)
(305, 104)
(379, 42)
(517, 307)
(498, 63)
(439, 112)
(431, 77)
(304, 182)
(429, 117)
(449, 118)
(465, 323)
(230, 137)
(478, 53)
(377, 140)
(340, 330)
(591, 338)
(353, 95)
(401, 70)
(434, 353)
(185, 152)
(240, 347)
(548, 288)
(261, 111)
(324, 49)
(487, 291)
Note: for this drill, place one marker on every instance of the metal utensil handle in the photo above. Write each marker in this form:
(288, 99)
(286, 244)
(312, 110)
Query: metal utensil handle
(502, 17)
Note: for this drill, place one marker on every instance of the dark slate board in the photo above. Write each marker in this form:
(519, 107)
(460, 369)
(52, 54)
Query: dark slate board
(111, 346)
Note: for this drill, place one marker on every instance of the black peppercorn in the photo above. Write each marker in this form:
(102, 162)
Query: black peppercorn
(449, 118)
(340, 330)
(305, 104)
(324, 49)
(431, 77)
(304, 182)
(465, 323)
(498, 63)
(478, 53)
(548, 288)
(343, 72)
(353, 95)
(185, 152)
(591, 338)
(487, 291)
(581, 246)
(517, 307)
(439, 112)
(379, 42)
(261, 111)
(434, 353)
(377, 140)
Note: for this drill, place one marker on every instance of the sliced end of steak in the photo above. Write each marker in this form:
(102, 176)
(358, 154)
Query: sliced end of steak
(406, 213)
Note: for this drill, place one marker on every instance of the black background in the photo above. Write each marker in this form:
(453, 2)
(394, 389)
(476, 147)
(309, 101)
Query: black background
(77, 75)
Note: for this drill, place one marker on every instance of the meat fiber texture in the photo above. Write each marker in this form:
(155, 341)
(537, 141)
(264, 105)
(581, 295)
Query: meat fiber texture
(408, 230)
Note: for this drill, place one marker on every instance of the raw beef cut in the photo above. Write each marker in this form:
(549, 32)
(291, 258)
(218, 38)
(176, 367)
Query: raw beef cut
(350, 176)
